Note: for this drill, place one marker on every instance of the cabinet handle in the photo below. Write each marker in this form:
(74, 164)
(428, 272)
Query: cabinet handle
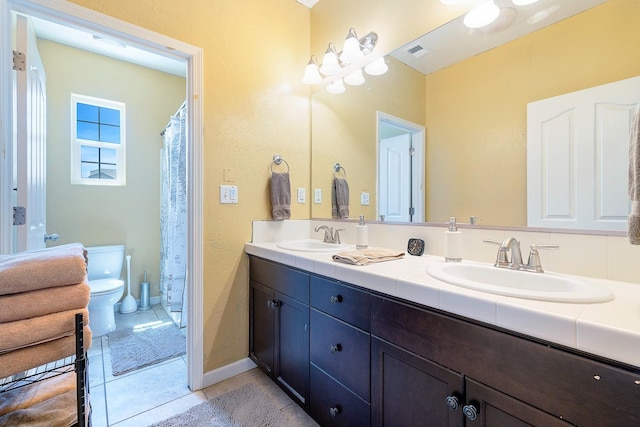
(335, 410)
(470, 411)
(335, 299)
(335, 348)
(273, 303)
(453, 402)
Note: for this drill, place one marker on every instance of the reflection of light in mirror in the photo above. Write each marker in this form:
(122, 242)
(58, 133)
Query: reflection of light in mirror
(377, 67)
(336, 87)
(481, 15)
(330, 63)
(311, 73)
(355, 79)
(351, 51)
(542, 15)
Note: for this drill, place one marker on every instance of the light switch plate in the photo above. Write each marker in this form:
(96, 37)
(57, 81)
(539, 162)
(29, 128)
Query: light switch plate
(364, 198)
(302, 195)
(228, 194)
(317, 195)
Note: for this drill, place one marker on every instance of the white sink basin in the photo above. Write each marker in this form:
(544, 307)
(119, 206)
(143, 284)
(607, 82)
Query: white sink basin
(311, 245)
(520, 284)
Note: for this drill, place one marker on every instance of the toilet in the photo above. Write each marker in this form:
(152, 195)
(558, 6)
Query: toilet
(103, 271)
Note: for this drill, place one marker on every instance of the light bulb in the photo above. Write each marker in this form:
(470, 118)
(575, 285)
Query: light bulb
(336, 87)
(330, 64)
(355, 79)
(311, 74)
(483, 14)
(351, 51)
(377, 67)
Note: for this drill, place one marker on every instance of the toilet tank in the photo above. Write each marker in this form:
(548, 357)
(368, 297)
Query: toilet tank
(105, 262)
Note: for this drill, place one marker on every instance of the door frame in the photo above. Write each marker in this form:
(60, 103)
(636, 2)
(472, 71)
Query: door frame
(417, 160)
(73, 15)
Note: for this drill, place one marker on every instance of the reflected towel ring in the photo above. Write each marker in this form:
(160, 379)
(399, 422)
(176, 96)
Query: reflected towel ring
(277, 159)
(336, 169)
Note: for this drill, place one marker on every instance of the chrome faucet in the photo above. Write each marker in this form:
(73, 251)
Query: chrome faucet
(515, 261)
(330, 235)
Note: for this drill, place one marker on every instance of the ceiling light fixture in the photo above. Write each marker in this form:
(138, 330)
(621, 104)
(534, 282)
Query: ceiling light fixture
(336, 65)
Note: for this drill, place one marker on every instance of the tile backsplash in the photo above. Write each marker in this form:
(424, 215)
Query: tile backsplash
(600, 256)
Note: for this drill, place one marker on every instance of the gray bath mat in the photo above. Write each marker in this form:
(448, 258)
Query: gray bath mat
(134, 348)
(245, 406)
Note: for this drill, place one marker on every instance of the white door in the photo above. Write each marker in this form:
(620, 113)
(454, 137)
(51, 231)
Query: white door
(578, 156)
(30, 142)
(394, 178)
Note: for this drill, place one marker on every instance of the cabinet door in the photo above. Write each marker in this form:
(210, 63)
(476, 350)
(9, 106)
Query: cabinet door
(262, 326)
(407, 390)
(292, 334)
(487, 407)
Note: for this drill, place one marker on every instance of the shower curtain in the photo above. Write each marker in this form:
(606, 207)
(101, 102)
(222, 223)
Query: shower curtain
(173, 214)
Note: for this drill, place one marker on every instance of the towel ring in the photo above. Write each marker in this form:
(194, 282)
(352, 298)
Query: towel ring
(336, 169)
(277, 159)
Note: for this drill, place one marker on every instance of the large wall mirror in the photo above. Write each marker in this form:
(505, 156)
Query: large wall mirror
(473, 113)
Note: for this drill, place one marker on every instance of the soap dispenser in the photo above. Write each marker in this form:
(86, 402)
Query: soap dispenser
(362, 234)
(452, 242)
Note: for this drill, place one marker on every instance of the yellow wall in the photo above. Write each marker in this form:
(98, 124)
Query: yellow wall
(99, 215)
(254, 106)
(477, 109)
(344, 131)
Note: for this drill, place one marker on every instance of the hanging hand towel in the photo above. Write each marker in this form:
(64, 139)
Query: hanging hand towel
(340, 198)
(634, 179)
(280, 196)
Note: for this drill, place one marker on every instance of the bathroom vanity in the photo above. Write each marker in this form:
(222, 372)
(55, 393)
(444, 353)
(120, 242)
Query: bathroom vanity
(356, 355)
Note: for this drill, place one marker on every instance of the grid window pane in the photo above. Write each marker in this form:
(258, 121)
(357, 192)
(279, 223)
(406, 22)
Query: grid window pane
(86, 112)
(108, 156)
(110, 133)
(89, 154)
(88, 169)
(87, 131)
(109, 116)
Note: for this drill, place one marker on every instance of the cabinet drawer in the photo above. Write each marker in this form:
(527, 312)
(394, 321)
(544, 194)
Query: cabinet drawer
(342, 351)
(345, 303)
(333, 405)
(288, 281)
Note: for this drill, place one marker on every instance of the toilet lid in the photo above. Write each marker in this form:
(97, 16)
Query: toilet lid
(105, 285)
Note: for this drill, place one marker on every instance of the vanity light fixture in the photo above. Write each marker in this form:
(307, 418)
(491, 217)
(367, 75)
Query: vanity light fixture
(311, 73)
(333, 63)
(483, 14)
(330, 64)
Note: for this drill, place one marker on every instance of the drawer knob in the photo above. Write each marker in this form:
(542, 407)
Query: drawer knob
(335, 410)
(470, 411)
(335, 348)
(453, 402)
(335, 299)
(273, 303)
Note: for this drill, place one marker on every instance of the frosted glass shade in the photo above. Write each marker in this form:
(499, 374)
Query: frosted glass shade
(355, 79)
(483, 14)
(377, 67)
(336, 87)
(311, 74)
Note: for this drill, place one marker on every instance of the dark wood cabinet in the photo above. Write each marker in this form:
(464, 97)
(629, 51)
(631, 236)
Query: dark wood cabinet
(353, 357)
(279, 326)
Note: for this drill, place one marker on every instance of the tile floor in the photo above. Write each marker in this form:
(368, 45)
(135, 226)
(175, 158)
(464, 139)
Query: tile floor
(157, 392)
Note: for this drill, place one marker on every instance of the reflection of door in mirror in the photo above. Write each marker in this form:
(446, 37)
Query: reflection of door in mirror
(400, 170)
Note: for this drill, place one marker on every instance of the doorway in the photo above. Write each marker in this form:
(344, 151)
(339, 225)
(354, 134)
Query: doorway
(400, 171)
(80, 18)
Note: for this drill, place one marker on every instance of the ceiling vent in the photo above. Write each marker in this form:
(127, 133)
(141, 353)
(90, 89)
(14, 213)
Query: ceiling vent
(417, 51)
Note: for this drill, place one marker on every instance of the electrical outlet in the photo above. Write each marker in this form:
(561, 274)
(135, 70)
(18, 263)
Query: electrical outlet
(317, 195)
(364, 198)
(228, 194)
(302, 195)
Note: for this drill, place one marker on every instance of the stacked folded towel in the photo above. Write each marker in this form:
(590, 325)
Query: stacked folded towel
(40, 293)
(367, 256)
(634, 179)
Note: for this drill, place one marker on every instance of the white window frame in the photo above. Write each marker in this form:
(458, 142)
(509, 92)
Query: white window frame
(77, 143)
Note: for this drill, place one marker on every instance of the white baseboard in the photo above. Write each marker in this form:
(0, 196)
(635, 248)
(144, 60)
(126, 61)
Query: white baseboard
(227, 371)
(152, 301)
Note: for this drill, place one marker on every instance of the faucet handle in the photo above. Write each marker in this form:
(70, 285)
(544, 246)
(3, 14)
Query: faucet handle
(533, 264)
(502, 260)
(336, 235)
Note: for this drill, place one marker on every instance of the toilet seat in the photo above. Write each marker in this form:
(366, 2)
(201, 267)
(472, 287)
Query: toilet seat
(104, 286)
